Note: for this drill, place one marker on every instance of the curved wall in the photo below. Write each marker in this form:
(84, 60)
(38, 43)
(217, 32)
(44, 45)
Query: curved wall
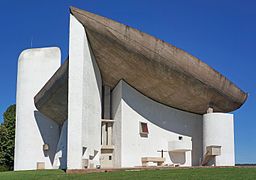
(33, 129)
(129, 108)
(218, 129)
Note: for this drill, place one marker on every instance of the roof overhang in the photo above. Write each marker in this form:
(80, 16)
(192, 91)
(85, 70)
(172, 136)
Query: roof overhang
(52, 99)
(155, 68)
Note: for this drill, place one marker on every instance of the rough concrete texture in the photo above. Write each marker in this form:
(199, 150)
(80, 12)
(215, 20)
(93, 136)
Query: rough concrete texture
(157, 69)
(52, 99)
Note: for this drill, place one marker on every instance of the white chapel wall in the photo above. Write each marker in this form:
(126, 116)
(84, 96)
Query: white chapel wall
(84, 97)
(35, 67)
(129, 107)
(218, 129)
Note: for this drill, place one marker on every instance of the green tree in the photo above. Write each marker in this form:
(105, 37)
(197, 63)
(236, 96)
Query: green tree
(7, 138)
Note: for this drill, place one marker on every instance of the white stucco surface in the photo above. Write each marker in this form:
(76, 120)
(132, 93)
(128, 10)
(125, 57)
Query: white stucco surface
(129, 108)
(35, 67)
(84, 100)
(183, 135)
(218, 129)
(116, 114)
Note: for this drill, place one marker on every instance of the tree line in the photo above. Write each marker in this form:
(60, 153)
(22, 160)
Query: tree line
(7, 139)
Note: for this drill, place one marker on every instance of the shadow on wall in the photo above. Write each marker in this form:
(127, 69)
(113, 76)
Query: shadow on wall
(61, 152)
(170, 119)
(178, 157)
(49, 131)
(96, 69)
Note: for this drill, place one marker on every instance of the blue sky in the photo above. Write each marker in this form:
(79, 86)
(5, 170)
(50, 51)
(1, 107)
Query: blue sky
(221, 33)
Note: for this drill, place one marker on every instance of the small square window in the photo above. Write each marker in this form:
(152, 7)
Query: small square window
(180, 137)
(143, 128)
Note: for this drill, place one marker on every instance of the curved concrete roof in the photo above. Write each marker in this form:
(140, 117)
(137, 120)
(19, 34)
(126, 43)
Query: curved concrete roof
(157, 69)
(52, 99)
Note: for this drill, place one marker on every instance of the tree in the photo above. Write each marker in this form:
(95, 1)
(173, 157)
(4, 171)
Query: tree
(7, 138)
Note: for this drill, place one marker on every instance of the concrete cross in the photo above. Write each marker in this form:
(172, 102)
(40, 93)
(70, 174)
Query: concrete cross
(162, 152)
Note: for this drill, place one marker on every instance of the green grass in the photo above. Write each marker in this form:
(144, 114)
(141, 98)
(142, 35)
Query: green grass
(195, 173)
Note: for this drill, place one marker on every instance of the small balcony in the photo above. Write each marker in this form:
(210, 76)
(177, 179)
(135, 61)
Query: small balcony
(180, 146)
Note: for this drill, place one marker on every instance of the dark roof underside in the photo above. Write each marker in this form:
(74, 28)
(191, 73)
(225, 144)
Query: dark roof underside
(155, 68)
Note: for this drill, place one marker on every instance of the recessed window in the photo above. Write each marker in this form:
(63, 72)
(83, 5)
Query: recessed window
(143, 128)
(109, 157)
(180, 137)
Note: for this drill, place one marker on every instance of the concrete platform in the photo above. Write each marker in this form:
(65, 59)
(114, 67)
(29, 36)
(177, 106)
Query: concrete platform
(84, 171)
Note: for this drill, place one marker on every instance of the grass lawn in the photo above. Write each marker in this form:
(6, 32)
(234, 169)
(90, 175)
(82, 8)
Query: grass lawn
(195, 173)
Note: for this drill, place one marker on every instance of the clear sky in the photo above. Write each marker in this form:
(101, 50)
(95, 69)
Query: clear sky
(222, 33)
